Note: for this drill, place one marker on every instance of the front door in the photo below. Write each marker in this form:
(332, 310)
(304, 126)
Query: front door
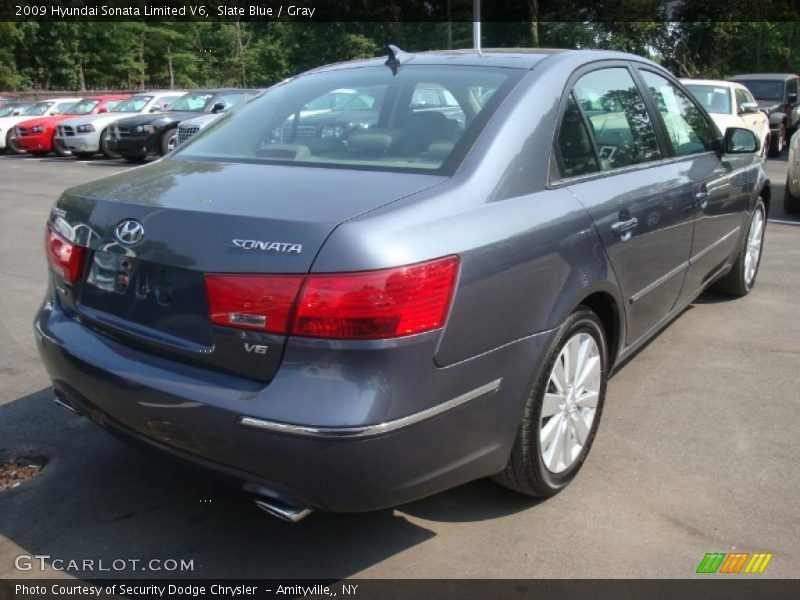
(642, 204)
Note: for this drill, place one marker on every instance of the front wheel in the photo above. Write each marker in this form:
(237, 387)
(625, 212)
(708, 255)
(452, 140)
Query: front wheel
(791, 203)
(59, 149)
(168, 141)
(104, 148)
(742, 276)
(11, 143)
(776, 142)
(562, 410)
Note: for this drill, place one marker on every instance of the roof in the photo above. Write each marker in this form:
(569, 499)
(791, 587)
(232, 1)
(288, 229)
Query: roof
(764, 76)
(519, 58)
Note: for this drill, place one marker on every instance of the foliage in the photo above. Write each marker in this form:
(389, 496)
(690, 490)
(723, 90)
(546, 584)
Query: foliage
(131, 55)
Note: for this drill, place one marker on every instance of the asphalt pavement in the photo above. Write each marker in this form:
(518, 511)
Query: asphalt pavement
(694, 454)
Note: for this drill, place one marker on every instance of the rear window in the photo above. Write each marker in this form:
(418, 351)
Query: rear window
(361, 118)
(715, 99)
(765, 90)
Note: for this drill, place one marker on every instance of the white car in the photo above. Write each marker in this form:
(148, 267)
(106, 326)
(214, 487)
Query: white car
(731, 104)
(45, 108)
(791, 194)
(188, 128)
(87, 135)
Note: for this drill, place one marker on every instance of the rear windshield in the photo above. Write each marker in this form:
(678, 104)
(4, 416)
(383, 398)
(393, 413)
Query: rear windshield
(765, 90)
(84, 107)
(361, 118)
(714, 99)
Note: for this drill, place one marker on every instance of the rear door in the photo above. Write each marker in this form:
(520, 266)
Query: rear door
(719, 183)
(641, 204)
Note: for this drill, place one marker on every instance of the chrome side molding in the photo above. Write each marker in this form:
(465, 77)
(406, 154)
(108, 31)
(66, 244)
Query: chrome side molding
(371, 430)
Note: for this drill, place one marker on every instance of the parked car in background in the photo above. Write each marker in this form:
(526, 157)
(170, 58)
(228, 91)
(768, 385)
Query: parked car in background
(435, 298)
(136, 138)
(791, 193)
(731, 104)
(44, 108)
(12, 109)
(86, 136)
(776, 94)
(7, 100)
(37, 136)
(190, 127)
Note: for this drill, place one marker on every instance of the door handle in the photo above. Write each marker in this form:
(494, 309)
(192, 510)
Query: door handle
(624, 229)
(701, 198)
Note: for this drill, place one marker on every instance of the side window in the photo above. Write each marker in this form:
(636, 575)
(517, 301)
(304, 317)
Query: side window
(619, 120)
(791, 88)
(574, 144)
(689, 131)
(741, 98)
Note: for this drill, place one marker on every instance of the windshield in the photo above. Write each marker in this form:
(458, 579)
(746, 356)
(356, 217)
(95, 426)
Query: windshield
(360, 118)
(39, 108)
(132, 104)
(194, 102)
(713, 98)
(84, 107)
(10, 108)
(765, 90)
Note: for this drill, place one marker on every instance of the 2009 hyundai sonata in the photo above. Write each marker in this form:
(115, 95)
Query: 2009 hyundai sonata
(385, 278)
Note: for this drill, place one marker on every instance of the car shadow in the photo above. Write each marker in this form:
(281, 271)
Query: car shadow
(98, 498)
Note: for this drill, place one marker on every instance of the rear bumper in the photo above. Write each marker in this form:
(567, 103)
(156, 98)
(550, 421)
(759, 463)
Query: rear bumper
(35, 143)
(140, 145)
(365, 461)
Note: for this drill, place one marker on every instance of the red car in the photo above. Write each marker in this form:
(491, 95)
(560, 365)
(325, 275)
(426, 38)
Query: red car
(36, 135)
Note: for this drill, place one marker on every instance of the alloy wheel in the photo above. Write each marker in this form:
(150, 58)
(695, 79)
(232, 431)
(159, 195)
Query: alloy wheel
(570, 402)
(753, 252)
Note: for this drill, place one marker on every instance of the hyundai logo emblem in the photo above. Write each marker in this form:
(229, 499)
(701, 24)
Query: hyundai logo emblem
(129, 232)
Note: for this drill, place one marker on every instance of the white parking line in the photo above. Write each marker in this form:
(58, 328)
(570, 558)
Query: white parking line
(782, 222)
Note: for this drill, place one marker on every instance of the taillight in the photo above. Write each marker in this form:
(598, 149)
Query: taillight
(259, 302)
(65, 258)
(376, 304)
(379, 304)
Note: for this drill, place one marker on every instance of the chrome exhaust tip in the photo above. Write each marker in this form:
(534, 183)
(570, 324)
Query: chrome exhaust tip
(284, 512)
(65, 405)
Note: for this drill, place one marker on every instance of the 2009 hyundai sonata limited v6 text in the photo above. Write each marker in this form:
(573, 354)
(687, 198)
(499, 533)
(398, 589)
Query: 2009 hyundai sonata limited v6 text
(385, 278)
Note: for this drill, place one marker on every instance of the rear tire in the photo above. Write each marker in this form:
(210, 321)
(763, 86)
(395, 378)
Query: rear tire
(791, 203)
(742, 276)
(777, 142)
(106, 151)
(535, 468)
(11, 144)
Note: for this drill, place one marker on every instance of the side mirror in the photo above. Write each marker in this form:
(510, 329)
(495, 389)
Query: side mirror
(16, 112)
(102, 110)
(218, 108)
(740, 141)
(748, 107)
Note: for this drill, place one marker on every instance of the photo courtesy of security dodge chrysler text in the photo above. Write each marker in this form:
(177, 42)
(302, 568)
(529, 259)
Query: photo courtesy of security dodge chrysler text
(385, 278)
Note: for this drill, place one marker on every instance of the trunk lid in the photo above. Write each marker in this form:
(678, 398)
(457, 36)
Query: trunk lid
(203, 217)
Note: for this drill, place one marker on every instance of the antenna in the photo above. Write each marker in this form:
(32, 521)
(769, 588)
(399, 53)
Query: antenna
(396, 56)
